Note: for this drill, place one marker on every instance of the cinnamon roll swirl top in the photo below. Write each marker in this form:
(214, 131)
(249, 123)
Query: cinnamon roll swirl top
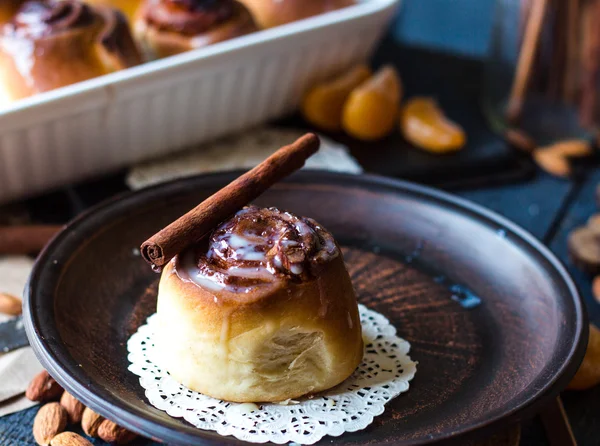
(270, 13)
(188, 17)
(256, 247)
(167, 27)
(36, 19)
(54, 43)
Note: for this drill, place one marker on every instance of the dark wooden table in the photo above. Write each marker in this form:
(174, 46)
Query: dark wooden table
(547, 207)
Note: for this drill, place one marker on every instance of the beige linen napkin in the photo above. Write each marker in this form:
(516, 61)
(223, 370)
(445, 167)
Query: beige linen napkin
(17, 368)
(242, 151)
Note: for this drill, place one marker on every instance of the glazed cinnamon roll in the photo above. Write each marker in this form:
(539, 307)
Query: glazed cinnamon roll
(167, 27)
(264, 310)
(8, 9)
(56, 43)
(270, 13)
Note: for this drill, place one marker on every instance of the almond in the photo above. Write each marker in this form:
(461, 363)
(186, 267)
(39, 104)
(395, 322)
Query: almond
(574, 148)
(596, 288)
(73, 406)
(113, 433)
(10, 304)
(69, 439)
(43, 388)
(50, 421)
(594, 221)
(90, 422)
(593, 224)
(584, 249)
(551, 162)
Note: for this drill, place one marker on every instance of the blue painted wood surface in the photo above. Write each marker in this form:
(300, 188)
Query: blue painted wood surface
(583, 407)
(533, 205)
(461, 26)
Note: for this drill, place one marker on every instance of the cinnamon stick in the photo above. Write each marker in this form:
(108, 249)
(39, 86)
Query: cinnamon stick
(197, 223)
(524, 11)
(570, 78)
(557, 426)
(555, 45)
(520, 140)
(528, 50)
(591, 68)
(29, 239)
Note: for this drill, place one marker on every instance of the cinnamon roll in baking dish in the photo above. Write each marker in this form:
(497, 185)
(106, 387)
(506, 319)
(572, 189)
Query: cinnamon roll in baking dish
(270, 13)
(50, 44)
(167, 27)
(263, 311)
(127, 7)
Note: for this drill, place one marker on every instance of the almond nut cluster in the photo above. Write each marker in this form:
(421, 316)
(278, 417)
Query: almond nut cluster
(62, 409)
(584, 249)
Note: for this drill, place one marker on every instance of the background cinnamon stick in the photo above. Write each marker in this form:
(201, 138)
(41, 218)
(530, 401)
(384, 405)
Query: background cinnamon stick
(197, 223)
(572, 58)
(526, 58)
(27, 239)
(559, 58)
(591, 70)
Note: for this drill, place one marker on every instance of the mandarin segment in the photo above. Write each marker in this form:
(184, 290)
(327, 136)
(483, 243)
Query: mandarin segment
(424, 124)
(371, 109)
(323, 104)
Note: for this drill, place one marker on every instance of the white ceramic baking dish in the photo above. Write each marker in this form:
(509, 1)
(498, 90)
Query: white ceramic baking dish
(109, 122)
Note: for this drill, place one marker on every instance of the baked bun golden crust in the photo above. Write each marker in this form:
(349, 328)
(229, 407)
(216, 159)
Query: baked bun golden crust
(8, 9)
(168, 27)
(270, 13)
(56, 43)
(265, 312)
(127, 7)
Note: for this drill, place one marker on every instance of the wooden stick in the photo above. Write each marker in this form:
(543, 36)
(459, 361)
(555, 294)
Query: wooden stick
(591, 69)
(584, 44)
(198, 222)
(526, 57)
(524, 11)
(557, 426)
(558, 47)
(572, 58)
(21, 240)
(520, 140)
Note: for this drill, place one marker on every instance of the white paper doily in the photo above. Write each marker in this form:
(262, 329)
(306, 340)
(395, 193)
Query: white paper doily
(384, 373)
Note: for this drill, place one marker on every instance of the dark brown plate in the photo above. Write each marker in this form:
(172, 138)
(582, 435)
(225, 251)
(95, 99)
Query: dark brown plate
(405, 245)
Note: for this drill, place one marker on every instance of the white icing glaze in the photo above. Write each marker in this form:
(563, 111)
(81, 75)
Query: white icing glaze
(329, 245)
(302, 228)
(191, 272)
(244, 247)
(256, 247)
(258, 272)
(296, 269)
(212, 281)
(22, 52)
(207, 282)
(289, 243)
